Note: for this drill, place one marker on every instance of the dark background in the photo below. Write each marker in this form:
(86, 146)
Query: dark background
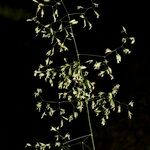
(18, 54)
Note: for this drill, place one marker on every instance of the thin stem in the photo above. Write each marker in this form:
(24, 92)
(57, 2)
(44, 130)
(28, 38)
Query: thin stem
(103, 56)
(75, 44)
(78, 143)
(78, 138)
(87, 146)
(90, 126)
(91, 55)
(82, 146)
(78, 58)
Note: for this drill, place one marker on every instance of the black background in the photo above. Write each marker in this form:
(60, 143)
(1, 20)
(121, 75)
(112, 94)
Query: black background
(18, 55)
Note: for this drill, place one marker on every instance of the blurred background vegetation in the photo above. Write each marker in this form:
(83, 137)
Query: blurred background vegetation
(20, 53)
